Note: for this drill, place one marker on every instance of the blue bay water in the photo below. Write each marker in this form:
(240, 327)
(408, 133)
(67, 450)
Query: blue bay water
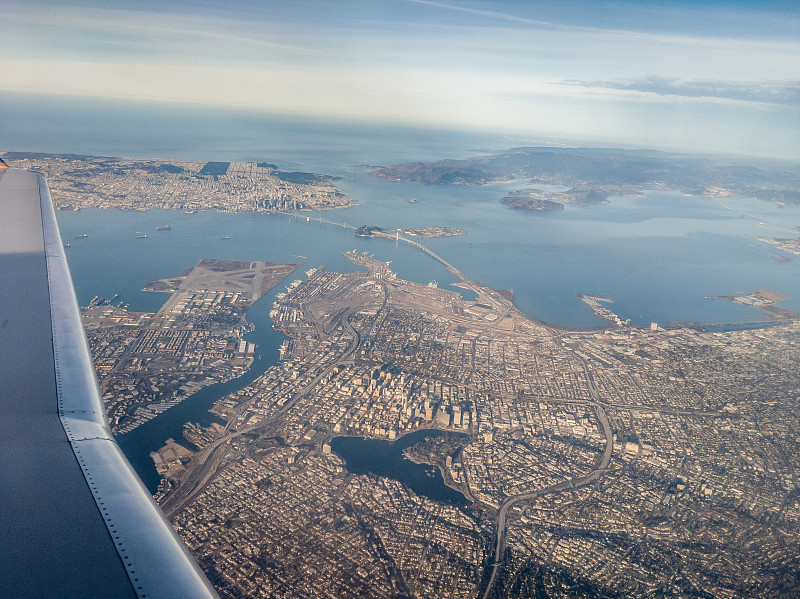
(656, 267)
(658, 257)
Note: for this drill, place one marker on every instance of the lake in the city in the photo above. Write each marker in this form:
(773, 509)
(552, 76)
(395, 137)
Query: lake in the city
(385, 458)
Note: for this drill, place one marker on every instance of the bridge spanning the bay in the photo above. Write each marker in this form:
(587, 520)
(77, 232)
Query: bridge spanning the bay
(425, 250)
(396, 236)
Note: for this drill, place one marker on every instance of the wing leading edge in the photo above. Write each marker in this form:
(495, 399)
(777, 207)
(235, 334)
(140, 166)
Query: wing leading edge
(75, 520)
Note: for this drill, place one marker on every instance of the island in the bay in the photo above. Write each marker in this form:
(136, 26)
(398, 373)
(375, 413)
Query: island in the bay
(368, 231)
(432, 231)
(524, 202)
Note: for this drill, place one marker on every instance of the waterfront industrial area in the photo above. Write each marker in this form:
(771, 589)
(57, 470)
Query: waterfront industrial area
(147, 363)
(619, 461)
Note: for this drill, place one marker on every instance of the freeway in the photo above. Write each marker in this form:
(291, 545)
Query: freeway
(573, 483)
(207, 463)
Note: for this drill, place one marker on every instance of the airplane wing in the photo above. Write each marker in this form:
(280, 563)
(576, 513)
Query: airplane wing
(75, 520)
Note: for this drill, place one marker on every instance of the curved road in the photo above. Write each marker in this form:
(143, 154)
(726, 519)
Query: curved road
(572, 483)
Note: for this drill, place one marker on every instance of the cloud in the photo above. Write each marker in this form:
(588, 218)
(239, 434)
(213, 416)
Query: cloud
(108, 34)
(420, 62)
(483, 13)
(786, 92)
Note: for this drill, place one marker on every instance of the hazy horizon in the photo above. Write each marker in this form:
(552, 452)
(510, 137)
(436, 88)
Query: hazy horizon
(696, 77)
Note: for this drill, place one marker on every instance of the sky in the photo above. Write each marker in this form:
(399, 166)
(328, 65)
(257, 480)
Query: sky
(699, 75)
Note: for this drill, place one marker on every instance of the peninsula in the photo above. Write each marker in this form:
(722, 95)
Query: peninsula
(592, 175)
(78, 181)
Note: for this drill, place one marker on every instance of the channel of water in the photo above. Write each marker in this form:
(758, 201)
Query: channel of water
(150, 436)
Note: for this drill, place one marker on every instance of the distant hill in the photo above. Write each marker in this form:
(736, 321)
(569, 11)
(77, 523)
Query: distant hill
(596, 173)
